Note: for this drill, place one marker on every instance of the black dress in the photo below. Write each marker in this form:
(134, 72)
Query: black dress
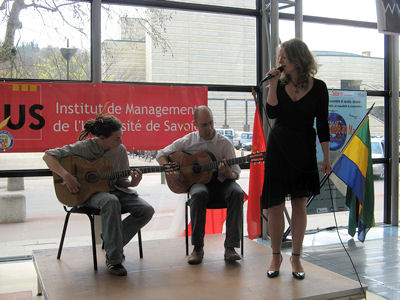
(291, 162)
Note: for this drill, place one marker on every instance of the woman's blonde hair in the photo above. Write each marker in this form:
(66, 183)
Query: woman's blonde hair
(298, 54)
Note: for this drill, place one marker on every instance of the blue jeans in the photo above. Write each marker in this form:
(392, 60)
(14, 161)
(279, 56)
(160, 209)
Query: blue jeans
(230, 193)
(116, 233)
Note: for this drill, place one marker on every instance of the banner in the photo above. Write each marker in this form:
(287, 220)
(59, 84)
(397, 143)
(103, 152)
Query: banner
(38, 116)
(388, 12)
(346, 109)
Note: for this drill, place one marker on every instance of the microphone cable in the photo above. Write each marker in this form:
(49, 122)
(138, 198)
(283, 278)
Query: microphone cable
(341, 242)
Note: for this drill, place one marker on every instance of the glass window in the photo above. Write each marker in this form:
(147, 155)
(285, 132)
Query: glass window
(359, 10)
(319, 37)
(156, 45)
(20, 161)
(232, 110)
(347, 57)
(359, 41)
(230, 3)
(376, 147)
(48, 40)
(248, 136)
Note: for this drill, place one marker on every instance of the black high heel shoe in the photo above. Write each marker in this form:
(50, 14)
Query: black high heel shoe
(297, 275)
(272, 274)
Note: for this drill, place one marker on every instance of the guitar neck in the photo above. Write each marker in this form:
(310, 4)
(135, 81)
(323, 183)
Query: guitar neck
(232, 161)
(124, 173)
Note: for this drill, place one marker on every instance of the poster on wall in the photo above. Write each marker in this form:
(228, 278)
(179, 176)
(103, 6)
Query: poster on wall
(38, 116)
(346, 110)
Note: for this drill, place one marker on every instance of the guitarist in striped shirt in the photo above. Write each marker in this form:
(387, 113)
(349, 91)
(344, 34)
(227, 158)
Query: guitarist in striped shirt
(107, 142)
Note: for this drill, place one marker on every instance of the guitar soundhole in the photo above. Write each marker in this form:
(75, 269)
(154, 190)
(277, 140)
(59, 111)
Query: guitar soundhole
(196, 168)
(91, 177)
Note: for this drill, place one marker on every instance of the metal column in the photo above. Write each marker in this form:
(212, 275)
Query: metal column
(298, 19)
(96, 75)
(96, 40)
(274, 43)
(394, 127)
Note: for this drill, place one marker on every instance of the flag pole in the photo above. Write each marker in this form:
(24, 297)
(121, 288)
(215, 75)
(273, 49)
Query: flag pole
(258, 103)
(326, 176)
(352, 136)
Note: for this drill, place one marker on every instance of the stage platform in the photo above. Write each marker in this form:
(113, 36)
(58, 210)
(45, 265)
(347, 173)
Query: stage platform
(164, 273)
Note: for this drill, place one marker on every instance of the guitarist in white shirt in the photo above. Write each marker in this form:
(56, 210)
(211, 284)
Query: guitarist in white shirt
(107, 143)
(223, 187)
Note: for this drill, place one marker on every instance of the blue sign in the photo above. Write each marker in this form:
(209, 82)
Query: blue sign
(346, 110)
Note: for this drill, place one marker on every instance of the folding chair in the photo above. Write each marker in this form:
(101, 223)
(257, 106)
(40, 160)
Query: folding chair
(90, 212)
(210, 205)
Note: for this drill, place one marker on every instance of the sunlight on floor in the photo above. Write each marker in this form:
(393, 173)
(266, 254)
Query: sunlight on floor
(17, 277)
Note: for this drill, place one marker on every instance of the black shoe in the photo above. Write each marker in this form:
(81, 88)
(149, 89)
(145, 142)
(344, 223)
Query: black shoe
(297, 275)
(275, 273)
(231, 255)
(197, 256)
(117, 269)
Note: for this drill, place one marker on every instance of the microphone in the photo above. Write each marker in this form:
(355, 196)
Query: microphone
(268, 77)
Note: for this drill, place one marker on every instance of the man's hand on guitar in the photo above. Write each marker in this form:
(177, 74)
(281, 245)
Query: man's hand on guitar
(226, 170)
(71, 183)
(136, 176)
(170, 168)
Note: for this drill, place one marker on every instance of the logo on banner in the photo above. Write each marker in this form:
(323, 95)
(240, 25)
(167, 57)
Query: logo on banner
(21, 105)
(6, 140)
(338, 129)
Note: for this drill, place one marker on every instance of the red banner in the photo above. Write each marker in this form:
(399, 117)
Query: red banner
(38, 116)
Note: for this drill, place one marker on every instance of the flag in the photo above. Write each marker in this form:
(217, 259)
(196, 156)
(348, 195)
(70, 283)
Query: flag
(215, 219)
(354, 168)
(256, 180)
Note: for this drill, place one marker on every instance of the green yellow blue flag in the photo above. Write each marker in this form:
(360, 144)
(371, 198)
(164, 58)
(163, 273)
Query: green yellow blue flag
(354, 168)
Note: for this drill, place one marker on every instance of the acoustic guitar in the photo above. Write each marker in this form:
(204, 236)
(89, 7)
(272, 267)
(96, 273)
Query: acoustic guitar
(93, 177)
(200, 167)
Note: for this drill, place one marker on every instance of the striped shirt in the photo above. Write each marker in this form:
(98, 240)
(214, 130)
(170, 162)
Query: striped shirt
(192, 143)
(90, 149)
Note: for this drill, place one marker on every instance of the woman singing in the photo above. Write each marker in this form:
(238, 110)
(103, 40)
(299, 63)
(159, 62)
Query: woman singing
(295, 99)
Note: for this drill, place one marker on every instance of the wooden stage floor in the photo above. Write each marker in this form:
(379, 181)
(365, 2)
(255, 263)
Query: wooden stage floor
(164, 273)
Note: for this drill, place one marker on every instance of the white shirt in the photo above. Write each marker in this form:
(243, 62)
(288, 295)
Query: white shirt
(192, 143)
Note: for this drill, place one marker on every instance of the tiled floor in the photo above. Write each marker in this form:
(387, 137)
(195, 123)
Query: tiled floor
(376, 261)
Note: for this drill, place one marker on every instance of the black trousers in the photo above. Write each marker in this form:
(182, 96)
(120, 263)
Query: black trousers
(230, 193)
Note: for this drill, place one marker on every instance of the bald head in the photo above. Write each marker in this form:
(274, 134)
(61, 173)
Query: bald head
(201, 109)
(204, 121)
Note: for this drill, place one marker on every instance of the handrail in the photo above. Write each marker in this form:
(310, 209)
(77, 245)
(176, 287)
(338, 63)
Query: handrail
(47, 172)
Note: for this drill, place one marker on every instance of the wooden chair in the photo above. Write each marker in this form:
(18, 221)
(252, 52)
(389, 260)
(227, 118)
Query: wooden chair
(210, 205)
(90, 212)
